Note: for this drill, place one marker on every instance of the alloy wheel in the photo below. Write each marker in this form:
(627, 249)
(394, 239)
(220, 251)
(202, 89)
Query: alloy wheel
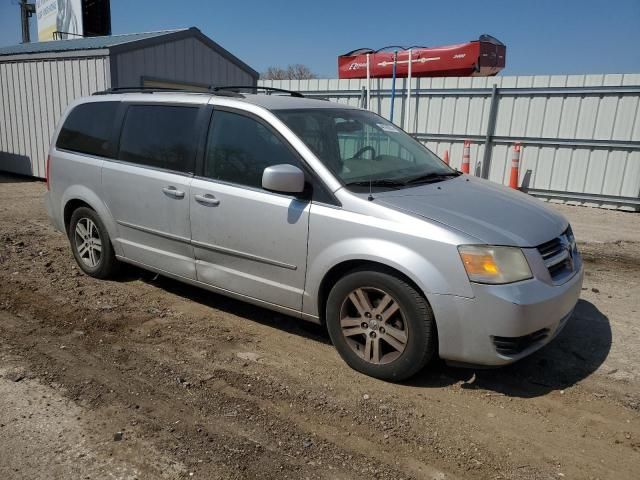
(374, 325)
(88, 242)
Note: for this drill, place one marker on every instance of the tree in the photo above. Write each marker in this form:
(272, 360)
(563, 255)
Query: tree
(292, 72)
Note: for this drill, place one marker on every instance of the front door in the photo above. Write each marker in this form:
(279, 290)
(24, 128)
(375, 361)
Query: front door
(247, 240)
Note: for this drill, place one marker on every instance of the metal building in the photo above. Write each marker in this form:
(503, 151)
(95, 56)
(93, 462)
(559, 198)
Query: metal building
(38, 81)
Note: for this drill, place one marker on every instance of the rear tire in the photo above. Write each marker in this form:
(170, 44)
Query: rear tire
(91, 245)
(380, 324)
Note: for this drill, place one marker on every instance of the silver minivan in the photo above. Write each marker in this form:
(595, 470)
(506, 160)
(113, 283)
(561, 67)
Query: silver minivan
(318, 210)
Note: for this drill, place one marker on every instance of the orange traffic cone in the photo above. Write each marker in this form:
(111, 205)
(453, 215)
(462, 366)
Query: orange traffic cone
(445, 158)
(466, 156)
(515, 167)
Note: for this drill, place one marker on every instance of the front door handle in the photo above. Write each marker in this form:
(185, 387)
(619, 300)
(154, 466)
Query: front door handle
(207, 199)
(173, 192)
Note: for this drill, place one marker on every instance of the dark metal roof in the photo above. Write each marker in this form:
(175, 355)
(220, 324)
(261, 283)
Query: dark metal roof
(89, 43)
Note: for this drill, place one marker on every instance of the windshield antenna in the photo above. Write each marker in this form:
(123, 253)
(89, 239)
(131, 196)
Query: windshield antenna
(370, 198)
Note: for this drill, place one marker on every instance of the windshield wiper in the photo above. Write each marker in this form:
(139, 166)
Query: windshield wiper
(381, 182)
(431, 177)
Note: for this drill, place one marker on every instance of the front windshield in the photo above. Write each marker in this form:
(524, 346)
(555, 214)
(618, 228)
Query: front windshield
(360, 147)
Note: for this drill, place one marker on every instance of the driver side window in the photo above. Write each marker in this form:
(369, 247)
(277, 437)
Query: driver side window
(239, 148)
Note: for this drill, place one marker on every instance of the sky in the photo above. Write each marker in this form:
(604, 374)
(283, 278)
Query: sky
(542, 37)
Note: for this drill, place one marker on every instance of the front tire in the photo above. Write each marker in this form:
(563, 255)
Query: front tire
(380, 324)
(91, 245)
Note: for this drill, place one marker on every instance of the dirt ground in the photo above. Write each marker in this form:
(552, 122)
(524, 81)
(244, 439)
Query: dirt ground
(143, 377)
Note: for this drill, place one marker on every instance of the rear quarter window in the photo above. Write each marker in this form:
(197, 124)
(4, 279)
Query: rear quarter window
(87, 129)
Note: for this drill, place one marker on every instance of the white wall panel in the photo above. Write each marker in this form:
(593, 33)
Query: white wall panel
(33, 95)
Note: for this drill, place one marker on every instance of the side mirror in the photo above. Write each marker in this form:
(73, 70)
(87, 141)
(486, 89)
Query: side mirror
(283, 178)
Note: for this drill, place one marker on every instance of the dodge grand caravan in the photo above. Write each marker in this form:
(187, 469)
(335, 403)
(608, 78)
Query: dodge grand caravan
(319, 210)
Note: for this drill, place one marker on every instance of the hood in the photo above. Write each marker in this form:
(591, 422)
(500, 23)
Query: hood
(490, 212)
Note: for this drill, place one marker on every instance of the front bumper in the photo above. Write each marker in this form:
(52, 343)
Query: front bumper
(503, 323)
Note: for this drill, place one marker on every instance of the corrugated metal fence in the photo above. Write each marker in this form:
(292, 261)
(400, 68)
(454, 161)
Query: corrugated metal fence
(580, 133)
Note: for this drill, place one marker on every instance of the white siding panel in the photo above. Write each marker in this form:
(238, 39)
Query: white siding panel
(597, 170)
(578, 170)
(537, 116)
(52, 97)
(630, 185)
(586, 123)
(13, 123)
(614, 171)
(34, 95)
(4, 114)
(561, 169)
(22, 109)
(571, 111)
(461, 116)
(519, 116)
(553, 113)
(505, 114)
(545, 158)
(605, 120)
(625, 117)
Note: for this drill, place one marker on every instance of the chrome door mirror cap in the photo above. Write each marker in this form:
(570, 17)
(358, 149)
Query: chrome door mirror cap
(283, 178)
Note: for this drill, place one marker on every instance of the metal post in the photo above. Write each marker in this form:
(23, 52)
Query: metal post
(26, 11)
(368, 83)
(408, 109)
(491, 127)
(393, 85)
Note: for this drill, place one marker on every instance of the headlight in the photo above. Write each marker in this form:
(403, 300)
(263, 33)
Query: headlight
(488, 264)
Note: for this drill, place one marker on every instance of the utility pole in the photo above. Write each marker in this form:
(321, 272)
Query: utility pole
(26, 12)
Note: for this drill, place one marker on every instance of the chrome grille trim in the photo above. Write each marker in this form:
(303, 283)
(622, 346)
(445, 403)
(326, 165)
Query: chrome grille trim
(551, 248)
(558, 256)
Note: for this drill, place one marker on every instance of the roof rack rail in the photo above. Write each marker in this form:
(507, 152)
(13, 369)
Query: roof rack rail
(134, 89)
(267, 90)
(223, 91)
(210, 90)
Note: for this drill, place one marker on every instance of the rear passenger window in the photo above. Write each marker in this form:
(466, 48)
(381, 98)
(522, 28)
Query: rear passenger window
(161, 136)
(239, 148)
(88, 127)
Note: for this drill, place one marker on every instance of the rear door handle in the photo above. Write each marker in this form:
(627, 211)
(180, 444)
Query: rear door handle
(173, 192)
(207, 199)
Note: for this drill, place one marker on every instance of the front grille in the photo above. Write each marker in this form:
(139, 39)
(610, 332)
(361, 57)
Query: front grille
(514, 345)
(558, 256)
(551, 248)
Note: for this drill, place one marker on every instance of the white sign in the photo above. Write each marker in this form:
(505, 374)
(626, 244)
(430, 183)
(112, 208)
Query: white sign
(62, 16)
